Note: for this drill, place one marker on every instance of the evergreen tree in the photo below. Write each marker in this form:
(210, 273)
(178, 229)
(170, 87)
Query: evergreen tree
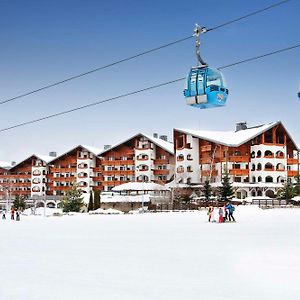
(72, 201)
(91, 203)
(226, 190)
(96, 200)
(286, 192)
(297, 186)
(19, 202)
(207, 190)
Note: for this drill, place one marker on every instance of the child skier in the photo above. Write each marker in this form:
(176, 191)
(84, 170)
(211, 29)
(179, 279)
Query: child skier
(221, 220)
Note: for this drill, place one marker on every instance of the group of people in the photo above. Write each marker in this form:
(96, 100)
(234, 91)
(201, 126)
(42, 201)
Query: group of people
(14, 215)
(225, 213)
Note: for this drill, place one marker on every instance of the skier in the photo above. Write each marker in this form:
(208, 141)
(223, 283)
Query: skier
(210, 213)
(12, 214)
(231, 209)
(221, 220)
(225, 214)
(3, 216)
(17, 216)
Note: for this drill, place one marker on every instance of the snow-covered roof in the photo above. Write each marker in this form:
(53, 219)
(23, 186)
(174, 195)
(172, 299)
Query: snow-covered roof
(139, 186)
(168, 146)
(93, 150)
(44, 158)
(231, 138)
(5, 164)
(130, 198)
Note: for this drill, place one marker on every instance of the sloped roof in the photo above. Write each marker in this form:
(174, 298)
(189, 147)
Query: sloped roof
(168, 146)
(44, 158)
(94, 150)
(231, 138)
(139, 186)
(5, 164)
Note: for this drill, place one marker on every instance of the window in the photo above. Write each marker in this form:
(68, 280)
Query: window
(237, 179)
(258, 153)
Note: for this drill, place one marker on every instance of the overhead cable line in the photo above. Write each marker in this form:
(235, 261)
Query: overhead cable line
(140, 91)
(136, 55)
(248, 15)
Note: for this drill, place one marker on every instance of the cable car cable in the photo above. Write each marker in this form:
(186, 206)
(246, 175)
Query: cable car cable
(135, 56)
(248, 15)
(139, 91)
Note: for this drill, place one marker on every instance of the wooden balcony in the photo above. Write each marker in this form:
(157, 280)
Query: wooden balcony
(117, 162)
(21, 184)
(61, 188)
(97, 178)
(118, 172)
(206, 173)
(23, 176)
(161, 172)
(205, 160)
(205, 148)
(64, 179)
(113, 183)
(239, 159)
(292, 161)
(292, 173)
(63, 170)
(239, 172)
(98, 169)
(161, 161)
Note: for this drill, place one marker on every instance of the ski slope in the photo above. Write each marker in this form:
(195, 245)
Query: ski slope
(152, 256)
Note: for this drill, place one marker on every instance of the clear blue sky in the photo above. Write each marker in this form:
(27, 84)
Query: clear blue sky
(45, 41)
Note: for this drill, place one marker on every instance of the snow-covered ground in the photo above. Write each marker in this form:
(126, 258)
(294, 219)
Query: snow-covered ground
(152, 256)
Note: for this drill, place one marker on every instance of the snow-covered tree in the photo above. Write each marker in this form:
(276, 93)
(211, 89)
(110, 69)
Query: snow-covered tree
(226, 190)
(72, 201)
(96, 200)
(207, 190)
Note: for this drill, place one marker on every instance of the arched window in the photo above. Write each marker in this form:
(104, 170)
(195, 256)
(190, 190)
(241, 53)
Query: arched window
(143, 168)
(82, 166)
(259, 193)
(269, 153)
(258, 153)
(189, 180)
(189, 157)
(259, 166)
(270, 193)
(253, 167)
(143, 178)
(279, 154)
(280, 167)
(269, 167)
(259, 179)
(189, 169)
(269, 179)
(82, 183)
(180, 157)
(253, 194)
(180, 169)
(253, 179)
(82, 175)
(253, 154)
(36, 172)
(280, 179)
(36, 189)
(142, 156)
(36, 180)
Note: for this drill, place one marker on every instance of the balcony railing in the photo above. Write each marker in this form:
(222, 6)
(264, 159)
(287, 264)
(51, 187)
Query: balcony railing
(292, 173)
(239, 172)
(292, 161)
(161, 172)
(239, 159)
(117, 162)
(161, 161)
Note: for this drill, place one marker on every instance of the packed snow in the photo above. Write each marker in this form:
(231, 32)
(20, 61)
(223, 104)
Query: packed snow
(152, 256)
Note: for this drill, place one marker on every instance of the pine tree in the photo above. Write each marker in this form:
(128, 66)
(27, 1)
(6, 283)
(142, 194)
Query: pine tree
(226, 190)
(96, 200)
(297, 186)
(91, 203)
(72, 201)
(207, 190)
(286, 192)
(19, 202)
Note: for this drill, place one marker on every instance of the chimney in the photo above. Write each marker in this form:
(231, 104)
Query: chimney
(240, 126)
(164, 138)
(52, 154)
(106, 147)
(13, 163)
(155, 135)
